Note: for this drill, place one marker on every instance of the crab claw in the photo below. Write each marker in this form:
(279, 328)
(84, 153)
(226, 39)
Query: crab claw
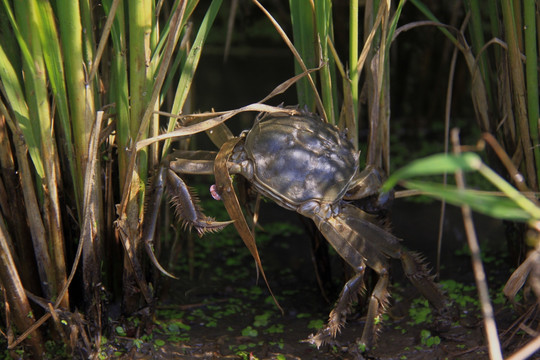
(187, 206)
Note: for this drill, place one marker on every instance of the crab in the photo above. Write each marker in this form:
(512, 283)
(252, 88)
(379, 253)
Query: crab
(307, 165)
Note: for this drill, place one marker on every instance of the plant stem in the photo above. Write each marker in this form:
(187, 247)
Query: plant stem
(531, 73)
(353, 57)
(478, 269)
(518, 90)
(81, 110)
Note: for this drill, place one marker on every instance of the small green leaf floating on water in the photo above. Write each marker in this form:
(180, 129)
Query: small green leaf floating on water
(261, 320)
(159, 342)
(120, 331)
(249, 331)
(428, 340)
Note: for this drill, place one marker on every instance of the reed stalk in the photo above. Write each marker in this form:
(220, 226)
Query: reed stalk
(53, 77)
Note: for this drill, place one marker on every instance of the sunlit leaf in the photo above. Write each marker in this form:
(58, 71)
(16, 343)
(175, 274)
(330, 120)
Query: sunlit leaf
(490, 204)
(434, 165)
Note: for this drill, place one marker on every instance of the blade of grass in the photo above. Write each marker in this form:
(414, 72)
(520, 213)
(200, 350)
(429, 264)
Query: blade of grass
(434, 165)
(428, 14)
(140, 24)
(353, 58)
(185, 44)
(15, 94)
(81, 103)
(510, 191)
(49, 38)
(189, 7)
(488, 203)
(442, 163)
(303, 32)
(212, 122)
(379, 147)
(86, 15)
(111, 14)
(477, 39)
(119, 90)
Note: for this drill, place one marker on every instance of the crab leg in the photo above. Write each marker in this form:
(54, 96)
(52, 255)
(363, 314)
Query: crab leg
(416, 271)
(377, 306)
(182, 196)
(389, 245)
(367, 182)
(187, 207)
(192, 162)
(359, 241)
(337, 316)
(357, 248)
(186, 202)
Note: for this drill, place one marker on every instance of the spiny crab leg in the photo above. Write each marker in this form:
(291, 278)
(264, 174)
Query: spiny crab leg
(412, 263)
(186, 204)
(187, 207)
(349, 294)
(361, 242)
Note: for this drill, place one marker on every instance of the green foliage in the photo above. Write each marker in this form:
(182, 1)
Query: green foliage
(120, 331)
(316, 324)
(460, 293)
(72, 164)
(361, 347)
(159, 342)
(511, 206)
(262, 320)
(57, 99)
(250, 331)
(428, 340)
(275, 329)
(420, 312)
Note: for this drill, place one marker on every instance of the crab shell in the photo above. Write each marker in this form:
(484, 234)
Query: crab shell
(300, 161)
